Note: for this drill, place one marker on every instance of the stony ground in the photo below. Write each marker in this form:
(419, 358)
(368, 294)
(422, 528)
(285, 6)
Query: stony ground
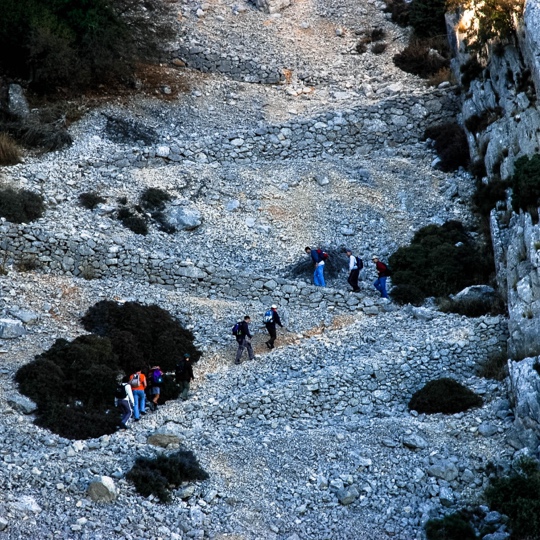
(286, 438)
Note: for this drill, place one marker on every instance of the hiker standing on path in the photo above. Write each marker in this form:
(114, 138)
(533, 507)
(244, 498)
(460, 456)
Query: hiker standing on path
(318, 256)
(155, 379)
(355, 265)
(123, 399)
(383, 272)
(271, 318)
(243, 337)
(184, 375)
(138, 386)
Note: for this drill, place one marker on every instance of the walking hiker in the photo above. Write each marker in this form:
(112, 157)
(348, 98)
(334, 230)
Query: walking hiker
(184, 375)
(155, 380)
(138, 386)
(355, 265)
(271, 318)
(123, 399)
(383, 273)
(318, 256)
(243, 337)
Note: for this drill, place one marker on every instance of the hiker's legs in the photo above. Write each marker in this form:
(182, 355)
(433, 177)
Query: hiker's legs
(124, 407)
(249, 348)
(380, 285)
(273, 336)
(318, 276)
(239, 352)
(353, 279)
(140, 403)
(184, 390)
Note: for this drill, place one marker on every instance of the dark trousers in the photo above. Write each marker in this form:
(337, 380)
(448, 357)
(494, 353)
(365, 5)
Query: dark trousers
(124, 407)
(273, 335)
(244, 344)
(353, 279)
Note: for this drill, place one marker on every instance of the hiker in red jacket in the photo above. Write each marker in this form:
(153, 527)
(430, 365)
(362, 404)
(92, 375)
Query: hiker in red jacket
(380, 282)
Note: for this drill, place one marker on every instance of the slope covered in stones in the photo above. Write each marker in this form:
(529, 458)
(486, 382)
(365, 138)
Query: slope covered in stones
(331, 156)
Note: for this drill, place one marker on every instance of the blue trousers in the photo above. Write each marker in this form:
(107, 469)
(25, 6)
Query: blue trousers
(380, 285)
(318, 276)
(139, 397)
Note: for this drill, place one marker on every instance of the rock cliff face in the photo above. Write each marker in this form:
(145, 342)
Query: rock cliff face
(507, 95)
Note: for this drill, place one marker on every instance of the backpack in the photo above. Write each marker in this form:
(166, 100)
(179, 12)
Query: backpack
(387, 272)
(120, 392)
(323, 256)
(135, 381)
(157, 377)
(268, 317)
(237, 329)
(359, 263)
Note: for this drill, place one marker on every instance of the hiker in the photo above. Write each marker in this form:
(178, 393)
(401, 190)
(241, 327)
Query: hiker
(138, 386)
(355, 265)
(243, 337)
(318, 256)
(184, 375)
(383, 273)
(123, 399)
(155, 380)
(271, 318)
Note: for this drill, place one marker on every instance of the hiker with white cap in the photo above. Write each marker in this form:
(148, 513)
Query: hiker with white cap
(383, 272)
(271, 318)
(355, 265)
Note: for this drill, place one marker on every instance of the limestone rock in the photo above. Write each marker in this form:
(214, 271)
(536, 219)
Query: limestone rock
(17, 103)
(102, 490)
(347, 495)
(21, 403)
(11, 329)
(163, 437)
(183, 217)
(414, 442)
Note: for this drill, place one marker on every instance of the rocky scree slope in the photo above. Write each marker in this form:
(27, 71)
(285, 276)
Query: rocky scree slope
(314, 439)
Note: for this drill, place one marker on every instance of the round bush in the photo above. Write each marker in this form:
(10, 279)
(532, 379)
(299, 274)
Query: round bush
(20, 206)
(444, 396)
(407, 294)
(452, 527)
(154, 199)
(90, 200)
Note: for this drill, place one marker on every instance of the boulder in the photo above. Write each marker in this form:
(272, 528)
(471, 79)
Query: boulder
(24, 315)
(183, 217)
(11, 329)
(163, 437)
(17, 103)
(476, 292)
(347, 495)
(446, 470)
(21, 404)
(102, 490)
(3, 524)
(414, 442)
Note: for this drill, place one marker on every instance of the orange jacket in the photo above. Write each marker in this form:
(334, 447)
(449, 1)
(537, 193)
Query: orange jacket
(142, 381)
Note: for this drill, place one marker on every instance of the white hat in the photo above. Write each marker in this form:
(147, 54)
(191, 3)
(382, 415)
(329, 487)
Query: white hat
(273, 306)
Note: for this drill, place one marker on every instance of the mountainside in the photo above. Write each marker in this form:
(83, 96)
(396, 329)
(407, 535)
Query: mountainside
(312, 440)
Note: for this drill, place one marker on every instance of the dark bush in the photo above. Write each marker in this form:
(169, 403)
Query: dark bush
(154, 199)
(526, 183)
(423, 57)
(451, 145)
(27, 263)
(400, 10)
(478, 169)
(140, 333)
(444, 396)
(476, 307)
(441, 260)
(427, 17)
(455, 526)
(470, 70)
(155, 476)
(378, 34)
(379, 48)
(136, 224)
(479, 122)
(10, 153)
(333, 266)
(518, 497)
(20, 206)
(495, 367)
(127, 131)
(407, 294)
(169, 390)
(361, 47)
(90, 200)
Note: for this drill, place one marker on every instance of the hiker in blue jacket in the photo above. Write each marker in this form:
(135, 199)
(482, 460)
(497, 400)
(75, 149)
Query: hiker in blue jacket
(271, 318)
(318, 257)
(243, 337)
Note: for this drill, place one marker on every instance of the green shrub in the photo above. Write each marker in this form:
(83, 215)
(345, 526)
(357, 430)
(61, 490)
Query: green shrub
(423, 57)
(90, 200)
(407, 294)
(400, 11)
(476, 307)
(479, 122)
(451, 145)
(141, 335)
(169, 390)
(20, 206)
(427, 17)
(333, 266)
(361, 47)
(518, 497)
(452, 527)
(444, 396)
(495, 367)
(440, 260)
(379, 48)
(526, 183)
(34, 134)
(470, 70)
(488, 195)
(10, 153)
(136, 224)
(155, 476)
(154, 199)
(478, 169)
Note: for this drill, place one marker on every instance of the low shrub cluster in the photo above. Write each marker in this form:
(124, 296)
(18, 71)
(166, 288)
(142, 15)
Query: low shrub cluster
(439, 261)
(495, 367)
(479, 122)
(518, 497)
(525, 183)
(333, 266)
(444, 396)
(374, 37)
(423, 57)
(133, 220)
(427, 17)
(156, 476)
(73, 382)
(154, 200)
(20, 206)
(10, 153)
(451, 144)
(90, 200)
(474, 307)
(400, 11)
(487, 195)
(470, 70)
(456, 526)
(407, 294)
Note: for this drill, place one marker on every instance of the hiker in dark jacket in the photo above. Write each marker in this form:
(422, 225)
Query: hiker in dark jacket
(383, 273)
(317, 256)
(355, 265)
(184, 375)
(244, 340)
(271, 325)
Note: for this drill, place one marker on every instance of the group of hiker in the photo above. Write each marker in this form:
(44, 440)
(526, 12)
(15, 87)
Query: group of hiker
(137, 391)
(318, 257)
